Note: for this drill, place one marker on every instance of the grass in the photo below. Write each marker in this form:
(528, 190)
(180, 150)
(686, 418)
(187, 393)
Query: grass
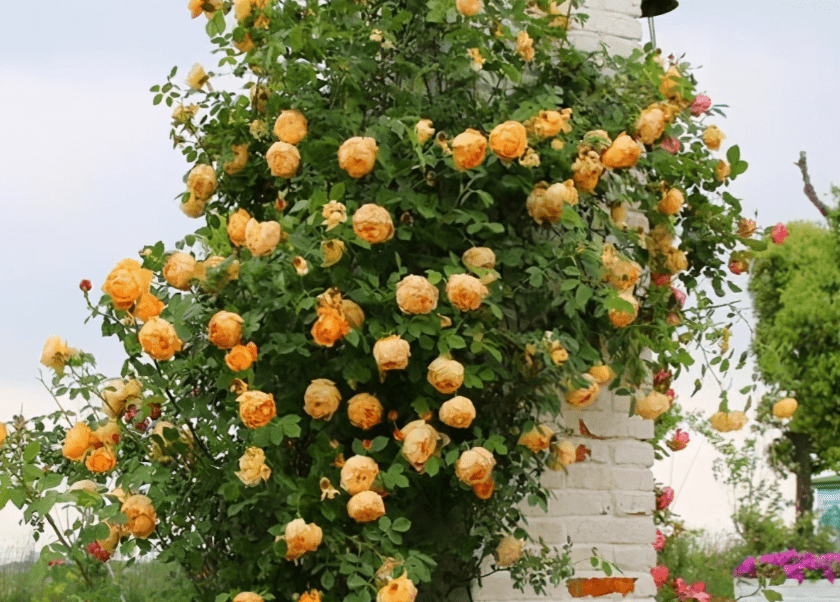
(150, 581)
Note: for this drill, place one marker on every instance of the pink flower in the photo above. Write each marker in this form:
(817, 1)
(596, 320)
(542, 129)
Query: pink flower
(736, 268)
(664, 499)
(679, 440)
(671, 145)
(678, 295)
(95, 550)
(661, 279)
(779, 234)
(663, 377)
(659, 542)
(660, 575)
(701, 104)
(670, 393)
(85, 285)
(695, 591)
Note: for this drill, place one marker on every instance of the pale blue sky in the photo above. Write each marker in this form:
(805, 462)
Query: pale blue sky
(88, 174)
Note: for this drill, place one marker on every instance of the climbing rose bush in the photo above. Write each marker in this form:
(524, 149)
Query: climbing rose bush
(336, 386)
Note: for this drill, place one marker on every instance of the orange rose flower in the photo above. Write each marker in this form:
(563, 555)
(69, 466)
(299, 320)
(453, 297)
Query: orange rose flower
(364, 411)
(465, 292)
(651, 124)
(147, 307)
(240, 357)
(365, 506)
(358, 474)
(475, 466)
(202, 182)
(468, 149)
(225, 329)
(321, 399)
(141, 516)
(357, 156)
(78, 441)
(159, 339)
(373, 224)
(468, 8)
(458, 412)
(301, 538)
(283, 160)
(391, 353)
(256, 408)
(508, 140)
(126, 283)
(401, 589)
(584, 396)
(101, 460)
(416, 295)
(484, 491)
(178, 270)
(624, 152)
(261, 238)
(671, 203)
(445, 374)
(537, 439)
(237, 222)
(329, 327)
(291, 126)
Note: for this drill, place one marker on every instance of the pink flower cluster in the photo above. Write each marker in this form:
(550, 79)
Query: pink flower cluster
(664, 499)
(779, 233)
(659, 542)
(695, 591)
(679, 440)
(95, 550)
(671, 145)
(701, 104)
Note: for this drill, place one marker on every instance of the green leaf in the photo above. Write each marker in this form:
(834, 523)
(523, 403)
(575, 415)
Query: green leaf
(733, 155)
(355, 581)
(401, 525)
(31, 451)
(772, 595)
(432, 466)
(327, 580)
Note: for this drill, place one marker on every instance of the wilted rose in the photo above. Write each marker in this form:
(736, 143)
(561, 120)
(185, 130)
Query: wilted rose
(525, 46)
(508, 551)
(587, 170)
(665, 498)
(197, 77)
(56, 353)
(424, 130)
(622, 318)
(547, 202)
(239, 161)
(722, 171)
(252, 467)
(651, 124)
(330, 327)
(563, 454)
(679, 441)
(334, 213)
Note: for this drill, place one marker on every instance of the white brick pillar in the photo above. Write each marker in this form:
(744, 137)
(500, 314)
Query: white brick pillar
(612, 22)
(607, 501)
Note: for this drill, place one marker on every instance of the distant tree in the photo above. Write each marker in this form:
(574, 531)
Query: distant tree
(795, 290)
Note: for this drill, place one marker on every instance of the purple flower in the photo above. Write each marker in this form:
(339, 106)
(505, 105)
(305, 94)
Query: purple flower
(746, 568)
(795, 571)
(829, 574)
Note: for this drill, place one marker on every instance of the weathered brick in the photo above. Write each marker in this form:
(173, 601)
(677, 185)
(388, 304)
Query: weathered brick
(632, 479)
(600, 452)
(552, 530)
(634, 557)
(633, 503)
(573, 502)
(630, 451)
(609, 529)
(632, 8)
(590, 476)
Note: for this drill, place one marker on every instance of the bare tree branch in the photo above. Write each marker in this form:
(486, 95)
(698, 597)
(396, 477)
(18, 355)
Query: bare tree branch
(802, 164)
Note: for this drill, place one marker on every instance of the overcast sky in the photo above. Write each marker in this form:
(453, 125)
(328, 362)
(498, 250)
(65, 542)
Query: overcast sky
(88, 175)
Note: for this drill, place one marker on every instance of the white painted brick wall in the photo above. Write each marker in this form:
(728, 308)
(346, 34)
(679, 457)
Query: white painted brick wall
(607, 501)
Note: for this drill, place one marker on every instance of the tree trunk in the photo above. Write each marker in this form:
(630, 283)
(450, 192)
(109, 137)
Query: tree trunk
(804, 489)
